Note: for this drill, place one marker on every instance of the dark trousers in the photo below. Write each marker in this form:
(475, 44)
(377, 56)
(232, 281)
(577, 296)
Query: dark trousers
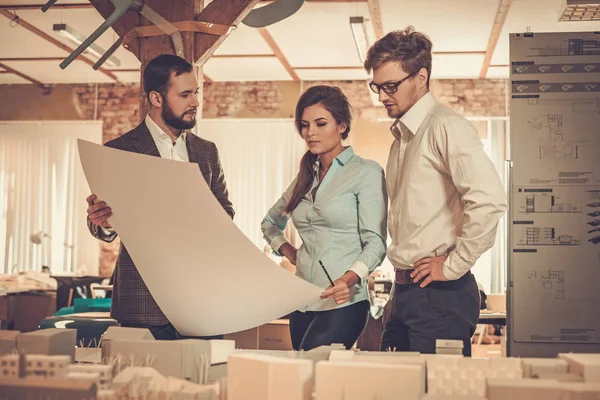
(168, 332)
(441, 310)
(321, 328)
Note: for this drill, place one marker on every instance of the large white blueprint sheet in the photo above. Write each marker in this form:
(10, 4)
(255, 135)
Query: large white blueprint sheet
(205, 275)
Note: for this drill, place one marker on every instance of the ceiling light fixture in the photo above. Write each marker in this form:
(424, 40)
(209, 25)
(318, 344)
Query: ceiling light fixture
(359, 33)
(77, 38)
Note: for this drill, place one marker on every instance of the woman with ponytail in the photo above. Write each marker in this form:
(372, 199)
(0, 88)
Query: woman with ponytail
(338, 204)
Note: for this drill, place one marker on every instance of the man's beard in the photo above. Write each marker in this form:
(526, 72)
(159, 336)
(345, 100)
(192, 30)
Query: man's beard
(177, 122)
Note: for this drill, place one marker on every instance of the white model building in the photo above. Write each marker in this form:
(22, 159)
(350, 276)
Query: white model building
(260, 377)
(467, 376)
(51, 341)
(9, 366)
(586, 365)
(8, 341)
(351, 380)
(43, 366)
(104, 373)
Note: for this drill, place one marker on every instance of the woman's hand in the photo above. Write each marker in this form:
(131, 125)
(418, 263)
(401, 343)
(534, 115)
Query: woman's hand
(289, 252)
(340, 291)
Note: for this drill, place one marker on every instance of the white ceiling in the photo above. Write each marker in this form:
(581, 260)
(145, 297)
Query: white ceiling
(316, 41)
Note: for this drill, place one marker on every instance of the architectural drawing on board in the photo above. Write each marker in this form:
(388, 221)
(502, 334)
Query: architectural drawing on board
(546, 236)
(550, 281)
(545, 200)
(531, 67)
(567, 46)
(555, 193)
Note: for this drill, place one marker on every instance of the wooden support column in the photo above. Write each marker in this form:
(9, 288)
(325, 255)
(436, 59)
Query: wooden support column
(198, 47)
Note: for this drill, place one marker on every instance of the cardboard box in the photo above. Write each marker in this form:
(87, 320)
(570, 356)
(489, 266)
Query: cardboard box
(31, 309)
(51, 341)
(247, 339)
(8, 341)
(275, 336)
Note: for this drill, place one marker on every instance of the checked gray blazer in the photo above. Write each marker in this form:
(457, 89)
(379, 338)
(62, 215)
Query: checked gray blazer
(132, 303)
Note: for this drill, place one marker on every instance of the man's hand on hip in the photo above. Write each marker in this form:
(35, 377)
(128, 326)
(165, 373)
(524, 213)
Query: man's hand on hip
(429, 269)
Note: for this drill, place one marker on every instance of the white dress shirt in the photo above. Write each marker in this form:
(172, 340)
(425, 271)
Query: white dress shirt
(445, 195)
(166, 148)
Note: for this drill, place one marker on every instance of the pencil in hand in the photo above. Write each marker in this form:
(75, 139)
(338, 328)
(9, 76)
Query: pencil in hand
(326, 273)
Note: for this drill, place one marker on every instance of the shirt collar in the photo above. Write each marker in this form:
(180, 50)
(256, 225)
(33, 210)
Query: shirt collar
(346, 155)
(157, 133)
(414, 117)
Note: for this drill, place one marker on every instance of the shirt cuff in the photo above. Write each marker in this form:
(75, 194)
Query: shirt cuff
(277, 242)
(360, 269)
(107, 231)
(455, 266)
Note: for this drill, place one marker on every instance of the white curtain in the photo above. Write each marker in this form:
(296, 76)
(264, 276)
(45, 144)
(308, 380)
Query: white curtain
(489, 270)
(43, 191)
(260, 159)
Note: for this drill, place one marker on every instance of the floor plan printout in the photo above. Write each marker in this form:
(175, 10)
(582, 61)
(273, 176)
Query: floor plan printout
(555, 198)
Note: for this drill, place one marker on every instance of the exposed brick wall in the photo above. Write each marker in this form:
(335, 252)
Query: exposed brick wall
(471, 97)
(117, 106)
(229, 99)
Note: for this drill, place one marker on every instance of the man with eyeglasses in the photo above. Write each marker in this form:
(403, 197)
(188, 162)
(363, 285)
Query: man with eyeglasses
(445, 201)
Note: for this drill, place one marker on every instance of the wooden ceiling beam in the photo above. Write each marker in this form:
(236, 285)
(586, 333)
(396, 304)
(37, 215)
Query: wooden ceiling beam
(32, 59)
(17, 7)
(54, 41)
(59, 6)
(224, 12)
(330, 67)
(22, 75)
(243, 56)
(501, 14)
(278, 53)
(375, 12)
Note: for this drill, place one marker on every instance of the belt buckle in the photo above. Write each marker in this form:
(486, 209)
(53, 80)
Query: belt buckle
(403, 277)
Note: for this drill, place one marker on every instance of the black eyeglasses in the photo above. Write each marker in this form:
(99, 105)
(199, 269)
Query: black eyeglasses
(389, 87)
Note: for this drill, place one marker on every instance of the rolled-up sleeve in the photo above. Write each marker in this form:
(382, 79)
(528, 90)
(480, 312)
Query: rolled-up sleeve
(274, 223)
(372, 220)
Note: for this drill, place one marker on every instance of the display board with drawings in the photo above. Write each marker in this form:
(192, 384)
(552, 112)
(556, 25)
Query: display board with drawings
(554, 267)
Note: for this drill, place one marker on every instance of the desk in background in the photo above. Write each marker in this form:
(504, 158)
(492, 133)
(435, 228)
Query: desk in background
(24, 310)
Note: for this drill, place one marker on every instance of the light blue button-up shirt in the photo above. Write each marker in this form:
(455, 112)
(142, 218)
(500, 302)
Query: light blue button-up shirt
(345, 227)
